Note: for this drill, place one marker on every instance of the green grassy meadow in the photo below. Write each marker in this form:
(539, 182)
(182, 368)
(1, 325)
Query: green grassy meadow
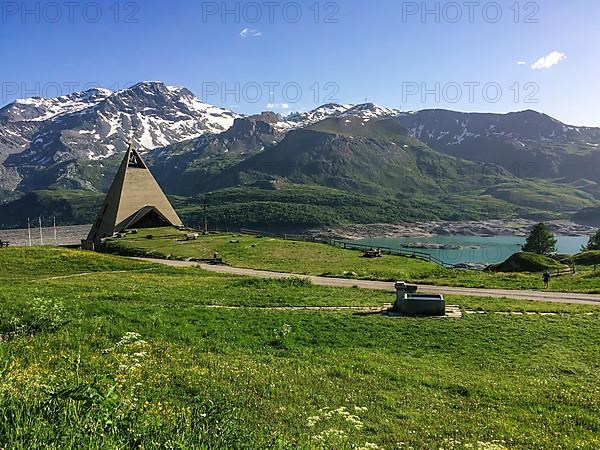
(309, 258)
(135, 355)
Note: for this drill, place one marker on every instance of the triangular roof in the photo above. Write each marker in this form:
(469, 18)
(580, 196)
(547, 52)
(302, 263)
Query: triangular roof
(133, 194)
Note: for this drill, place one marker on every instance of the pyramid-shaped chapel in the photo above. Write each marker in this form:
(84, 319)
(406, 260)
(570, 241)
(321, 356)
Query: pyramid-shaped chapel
(134, 200)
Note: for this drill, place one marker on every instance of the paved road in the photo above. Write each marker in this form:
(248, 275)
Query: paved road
(540, 296)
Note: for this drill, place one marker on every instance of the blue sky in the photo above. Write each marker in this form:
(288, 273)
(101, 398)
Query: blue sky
(385, 51)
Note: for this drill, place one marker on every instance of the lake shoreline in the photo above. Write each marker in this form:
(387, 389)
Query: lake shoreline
(483, 228)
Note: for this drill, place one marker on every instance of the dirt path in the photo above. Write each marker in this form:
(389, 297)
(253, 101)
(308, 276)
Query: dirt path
(365, 309)
(539, 296)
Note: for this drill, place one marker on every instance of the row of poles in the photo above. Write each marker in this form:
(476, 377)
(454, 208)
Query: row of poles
(41, 232)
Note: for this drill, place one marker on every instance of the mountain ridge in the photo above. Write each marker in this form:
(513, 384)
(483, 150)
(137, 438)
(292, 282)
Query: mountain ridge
(524, 158)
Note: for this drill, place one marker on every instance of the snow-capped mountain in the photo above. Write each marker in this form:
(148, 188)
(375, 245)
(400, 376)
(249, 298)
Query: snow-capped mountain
(369, 111)
(39, 109)
(454, 127)
(300, 119)
(181, 166)
(76, 140)
(89, 126)
(21, 120)
(362, 111)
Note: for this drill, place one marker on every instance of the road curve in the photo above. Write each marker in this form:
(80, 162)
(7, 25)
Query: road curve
(539, 296)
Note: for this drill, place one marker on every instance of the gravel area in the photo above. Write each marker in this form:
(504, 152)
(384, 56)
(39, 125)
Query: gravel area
(68, 235)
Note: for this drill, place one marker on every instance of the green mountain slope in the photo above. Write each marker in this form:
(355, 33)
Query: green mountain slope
(7, 196)
(588, 216)
(283, 205)
(68, 206)
(273, 205)
(526, 143)
(341, 170)
(544, 195)
(182, 168)
(374, 158)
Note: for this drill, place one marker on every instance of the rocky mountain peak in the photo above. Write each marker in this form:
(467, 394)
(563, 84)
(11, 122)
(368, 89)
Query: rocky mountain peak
(96, 124)
(316, 115)
(267, 116)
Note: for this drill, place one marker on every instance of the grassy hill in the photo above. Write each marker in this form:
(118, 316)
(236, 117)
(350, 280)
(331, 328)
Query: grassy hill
(588, 258)
(135, 355)
(528, 262)
(310, 258)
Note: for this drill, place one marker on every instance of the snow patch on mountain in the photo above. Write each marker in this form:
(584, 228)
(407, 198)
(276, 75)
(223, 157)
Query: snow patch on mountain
(369, 111)
(365, 111)
(37, 109)
(301, 119)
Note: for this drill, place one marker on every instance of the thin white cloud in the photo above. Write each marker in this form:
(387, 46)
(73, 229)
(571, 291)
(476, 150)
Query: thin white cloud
(278, 106)
(250, 32)
(548, 61)
(521, 63)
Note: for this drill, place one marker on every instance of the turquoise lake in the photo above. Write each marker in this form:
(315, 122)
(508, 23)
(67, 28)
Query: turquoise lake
(487, 249)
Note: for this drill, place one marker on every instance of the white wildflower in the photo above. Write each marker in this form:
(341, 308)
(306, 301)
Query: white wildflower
(312, 421)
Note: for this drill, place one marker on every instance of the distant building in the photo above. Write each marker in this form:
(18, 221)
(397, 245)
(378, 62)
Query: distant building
(135, 200)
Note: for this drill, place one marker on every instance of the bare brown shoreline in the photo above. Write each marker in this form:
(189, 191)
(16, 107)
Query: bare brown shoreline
(512, 227)
(72, 235)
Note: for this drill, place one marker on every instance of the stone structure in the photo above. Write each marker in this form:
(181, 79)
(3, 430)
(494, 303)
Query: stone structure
(135, 200)
(409, 303)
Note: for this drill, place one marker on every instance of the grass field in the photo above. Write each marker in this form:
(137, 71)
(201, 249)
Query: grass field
(321, 259)
(133, 355)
